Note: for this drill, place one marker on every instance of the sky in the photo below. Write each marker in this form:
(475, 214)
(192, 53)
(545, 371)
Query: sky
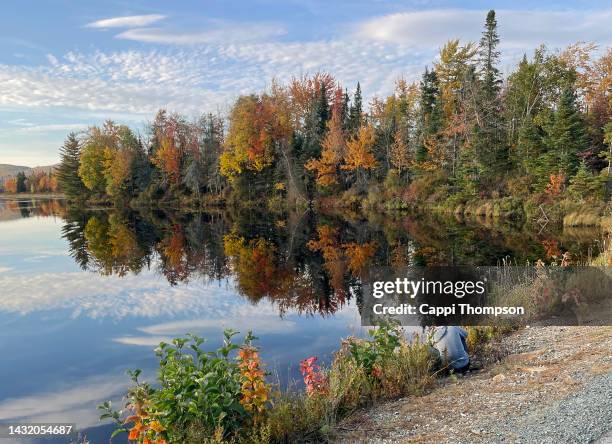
(65, 65)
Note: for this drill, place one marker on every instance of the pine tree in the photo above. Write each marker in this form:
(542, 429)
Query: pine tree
(566, 137)
(21, 182)
(489, 131)
(322, 112)
(430, 119)
(529, 146)
(345, 111)
(489, 57)
(584, 184)
(356, 111)
(68, 170)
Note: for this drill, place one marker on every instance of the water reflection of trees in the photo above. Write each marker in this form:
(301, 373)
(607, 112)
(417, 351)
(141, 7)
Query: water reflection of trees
(20, 208)
(310, 263)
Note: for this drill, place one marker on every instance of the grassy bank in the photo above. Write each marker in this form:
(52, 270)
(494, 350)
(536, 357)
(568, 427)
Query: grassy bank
(220, 397)
(223, 396)
(565, 213)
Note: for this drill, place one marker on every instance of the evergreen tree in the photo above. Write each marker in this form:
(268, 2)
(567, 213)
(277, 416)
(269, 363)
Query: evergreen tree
(566, 137)
(430, 118)
(68, 170)
(309, 147)
(529, 147)
(489, 131)
(489, 57)
(584, 184)
(322, 112)
(345, 111)
(21, 182)
(356, 110)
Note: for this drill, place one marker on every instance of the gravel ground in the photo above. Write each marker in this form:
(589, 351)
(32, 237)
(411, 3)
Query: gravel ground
(580, 418)
(555, 386)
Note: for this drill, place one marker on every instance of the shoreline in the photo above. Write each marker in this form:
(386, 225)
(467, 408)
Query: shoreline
(577, 215)
(554, 385)
(17, 196)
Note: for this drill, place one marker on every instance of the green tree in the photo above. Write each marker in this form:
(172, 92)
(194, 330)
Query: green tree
(21, 182)
(356, 111)
(68, 170)
(430, 114)
(566, 136)
(489, 129)
(584, 184)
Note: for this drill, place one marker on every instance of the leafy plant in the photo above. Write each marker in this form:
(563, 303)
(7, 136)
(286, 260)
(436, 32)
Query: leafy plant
(370, 354)
(316, 381)
(145, 427)
(255, 391)
(198, 389)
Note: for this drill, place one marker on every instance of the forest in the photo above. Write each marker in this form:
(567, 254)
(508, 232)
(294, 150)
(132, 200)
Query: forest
(464, 138)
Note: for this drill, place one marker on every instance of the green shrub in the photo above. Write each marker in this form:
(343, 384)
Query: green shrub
(367, 354)
(199, 392)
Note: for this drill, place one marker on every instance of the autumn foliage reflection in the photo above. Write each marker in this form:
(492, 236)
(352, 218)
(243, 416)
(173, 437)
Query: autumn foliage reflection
(310, 263)
(293, 263)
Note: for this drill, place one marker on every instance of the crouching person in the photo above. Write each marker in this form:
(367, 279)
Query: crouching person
(451, 342)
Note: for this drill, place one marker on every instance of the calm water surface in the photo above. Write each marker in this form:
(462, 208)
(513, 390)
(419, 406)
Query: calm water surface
(84, 296)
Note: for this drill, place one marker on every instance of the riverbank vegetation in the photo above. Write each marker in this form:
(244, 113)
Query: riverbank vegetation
(223, 396)
(535, 142)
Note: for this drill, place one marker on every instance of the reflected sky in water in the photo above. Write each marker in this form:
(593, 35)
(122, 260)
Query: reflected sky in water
(68, 336)
(85, 296)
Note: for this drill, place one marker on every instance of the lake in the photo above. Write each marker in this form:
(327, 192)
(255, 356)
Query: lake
(87, 295)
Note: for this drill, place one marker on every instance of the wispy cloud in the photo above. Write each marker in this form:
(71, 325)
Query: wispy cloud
(518, 28)
(64, 127)
(201, 71)
(196, 79)
(126, 21)
(222, 33)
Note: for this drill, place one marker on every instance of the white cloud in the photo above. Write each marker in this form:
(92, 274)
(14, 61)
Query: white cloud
(126, 21)
(145, 341)
(224, 33)
(65, 127)
(232, 59)
(261, 318)
(195, 79)
(518, 29)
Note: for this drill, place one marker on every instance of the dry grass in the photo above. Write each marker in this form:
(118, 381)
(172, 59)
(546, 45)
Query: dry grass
(531, 380)
(581, 219)
(606, 224)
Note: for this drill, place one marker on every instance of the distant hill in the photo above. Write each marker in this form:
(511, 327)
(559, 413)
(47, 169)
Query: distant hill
(12, 170)
(7, 170)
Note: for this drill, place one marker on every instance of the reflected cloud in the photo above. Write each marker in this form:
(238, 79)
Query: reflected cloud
(94, 296)
(146, 341)
(67, 404)
(263, 319)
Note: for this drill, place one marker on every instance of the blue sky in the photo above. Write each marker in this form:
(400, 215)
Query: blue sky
(68, 64)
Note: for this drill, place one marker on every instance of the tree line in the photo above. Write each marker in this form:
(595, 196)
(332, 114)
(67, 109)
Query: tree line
(35, 182)
(464, 131)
